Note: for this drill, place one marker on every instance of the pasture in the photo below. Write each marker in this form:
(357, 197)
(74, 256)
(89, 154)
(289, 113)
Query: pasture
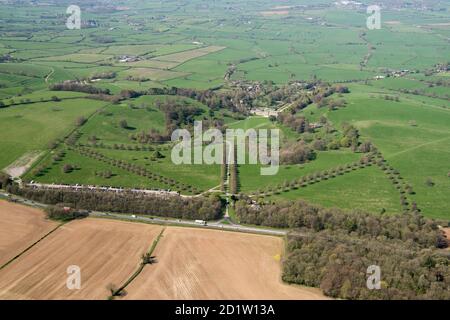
(32, 127)
(254, 43)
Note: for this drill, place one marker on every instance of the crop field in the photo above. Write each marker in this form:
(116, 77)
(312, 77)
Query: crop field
(107, 252)
(202, 264)
(21, 227)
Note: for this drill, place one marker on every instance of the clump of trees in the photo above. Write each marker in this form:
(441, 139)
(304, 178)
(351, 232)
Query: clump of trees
(337, 263)
(297, 123)
(64, 212)
(177, 114)
(107, 174)
(67, 168)
(123, 124)
(104, 75)
(331, 249)
(296, 152)
(5, 180)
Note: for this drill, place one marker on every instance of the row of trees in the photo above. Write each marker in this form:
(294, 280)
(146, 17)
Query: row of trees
(204, 208)
(313, 178)
(76, 86)
(396, 179)
(234, 183)
(93, 142)
(224, 171)
(141, 171)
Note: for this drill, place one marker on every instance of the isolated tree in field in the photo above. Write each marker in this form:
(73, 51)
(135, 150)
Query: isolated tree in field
(409, 189)
(123, 124)
(80, 121)
(112, 289)
(147, 258)
(67, 168)
(158, 155)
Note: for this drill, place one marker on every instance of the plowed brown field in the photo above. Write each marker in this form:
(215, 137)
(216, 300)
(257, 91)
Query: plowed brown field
(106, 252)
(20, 227)
(209, 264)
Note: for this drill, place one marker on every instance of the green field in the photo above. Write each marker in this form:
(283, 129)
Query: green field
(397, 76)
(366, 189)
(31, 127)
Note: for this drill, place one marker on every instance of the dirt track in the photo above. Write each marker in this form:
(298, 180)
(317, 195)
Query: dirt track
(208, 264)
(20, 227)
(106, 251)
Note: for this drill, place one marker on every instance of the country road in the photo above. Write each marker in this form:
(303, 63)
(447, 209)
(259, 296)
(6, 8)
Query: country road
(209, 225)
(217, 225)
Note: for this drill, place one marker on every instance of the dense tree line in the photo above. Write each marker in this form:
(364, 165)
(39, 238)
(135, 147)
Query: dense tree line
(300, 214)
(103, 75)
(77, 87)
(204, 208)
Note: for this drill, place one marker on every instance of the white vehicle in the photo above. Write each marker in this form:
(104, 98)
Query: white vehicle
(202, 222)
(133, 216)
